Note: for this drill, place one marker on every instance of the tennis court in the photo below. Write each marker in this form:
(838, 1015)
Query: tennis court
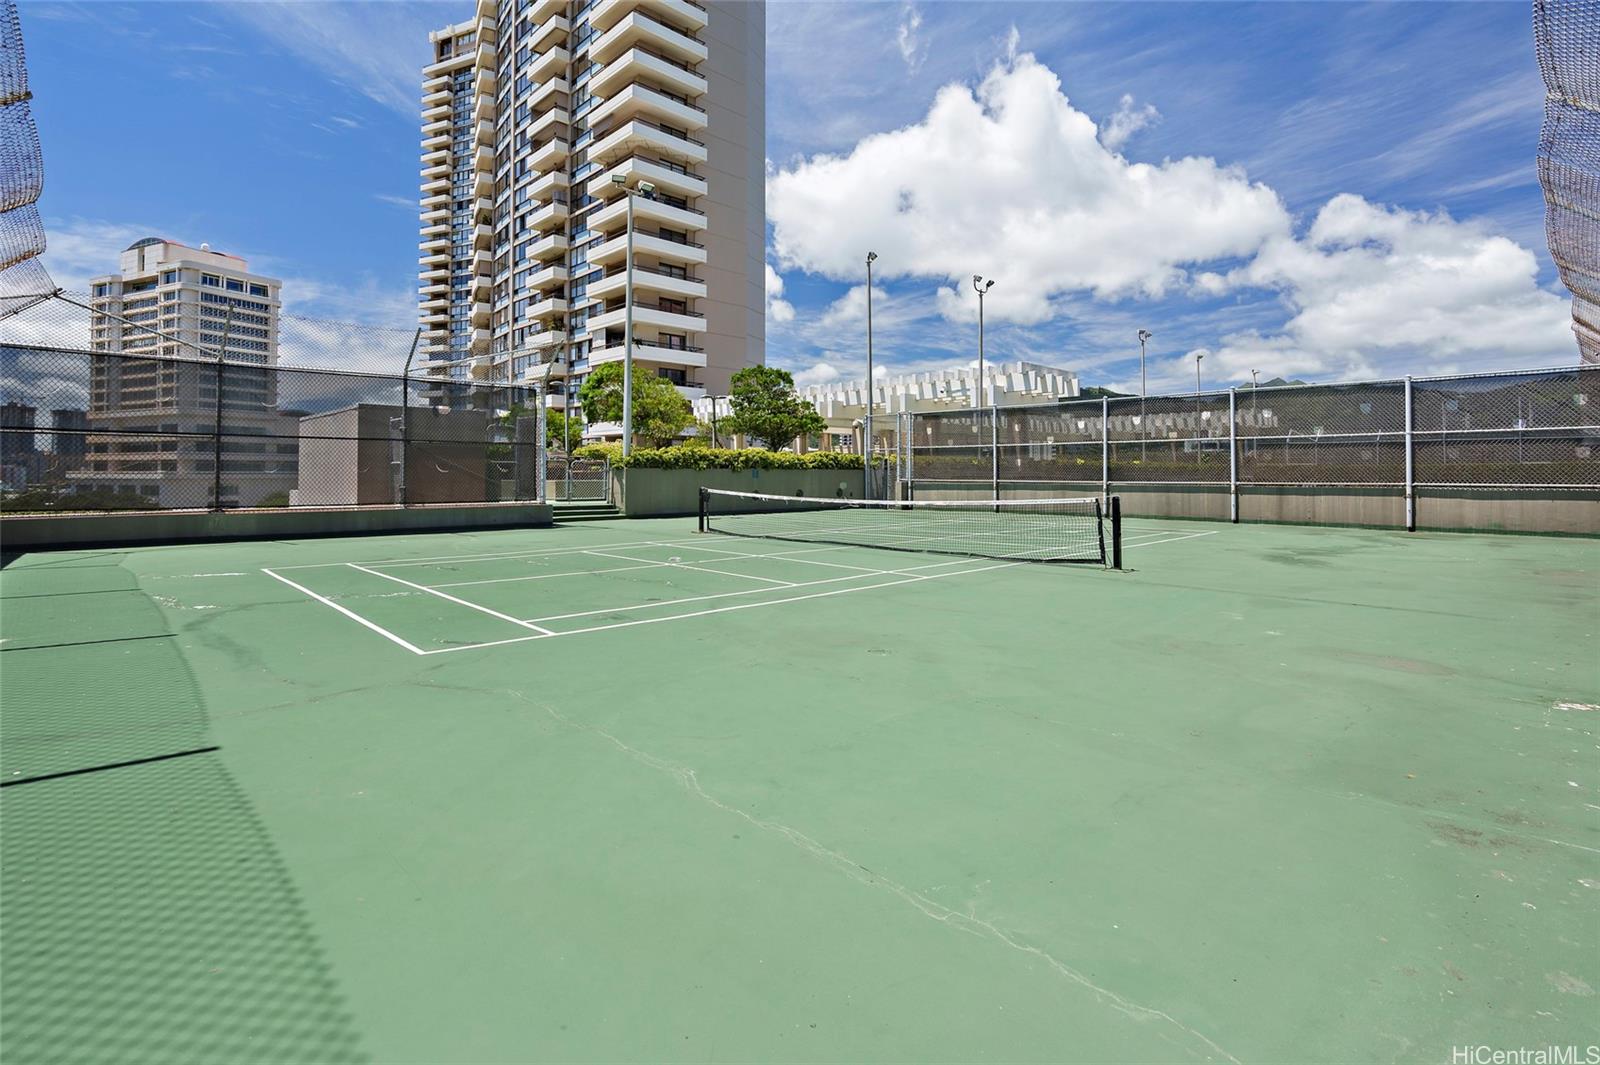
(628, 791)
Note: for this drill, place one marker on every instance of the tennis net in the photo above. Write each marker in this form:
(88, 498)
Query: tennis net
(1031, 530)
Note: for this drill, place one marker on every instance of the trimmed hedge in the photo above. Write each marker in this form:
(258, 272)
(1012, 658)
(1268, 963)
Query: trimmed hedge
(717, 458)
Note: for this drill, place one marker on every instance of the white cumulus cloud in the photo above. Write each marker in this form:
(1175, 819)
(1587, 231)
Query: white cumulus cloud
(1125, 121)
(1011, 181)
(1379, 290)
(1008, 179)
(778, 309)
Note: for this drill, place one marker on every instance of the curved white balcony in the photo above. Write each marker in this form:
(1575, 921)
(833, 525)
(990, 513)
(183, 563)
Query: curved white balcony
(548, 63)
(644, 351)
(645, 212)
(641, 101)
(638, 134)
(615, 250)
(645, 280)
(645, 316)
(639, 62)
(637, 28)
(635, 169)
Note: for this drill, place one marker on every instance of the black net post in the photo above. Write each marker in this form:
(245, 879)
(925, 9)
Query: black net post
(705, 499)
(1116, 532)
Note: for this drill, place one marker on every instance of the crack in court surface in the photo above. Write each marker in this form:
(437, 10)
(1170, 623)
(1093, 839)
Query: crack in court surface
(966, 922)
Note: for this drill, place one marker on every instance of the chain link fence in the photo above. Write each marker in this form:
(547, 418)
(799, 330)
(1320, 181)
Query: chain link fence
(572, 480)
(1566, 37)
(1535, 429)
(23, 279)
(98, 431)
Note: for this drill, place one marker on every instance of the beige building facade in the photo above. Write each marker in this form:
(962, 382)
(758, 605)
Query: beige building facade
(540, 118)
(176, 302)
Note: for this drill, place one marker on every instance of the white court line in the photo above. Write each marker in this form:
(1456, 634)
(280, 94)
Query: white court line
(724, 609)
(546, 633)
(745, 591)
(1170, 539)
(351, 614)
(453, 599)
(697, 569)
(547, 576)
(396, 563)
(806, 561)
(594, 573)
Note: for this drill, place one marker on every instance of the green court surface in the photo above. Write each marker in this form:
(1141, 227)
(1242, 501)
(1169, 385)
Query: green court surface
(624, 792)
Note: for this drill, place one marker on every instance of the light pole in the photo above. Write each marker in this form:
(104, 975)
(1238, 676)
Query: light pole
(1144, 335)
(1254, 384)
(866, 439)
(714, 400)
(1199, 453)
(980, 287)
(627, 322)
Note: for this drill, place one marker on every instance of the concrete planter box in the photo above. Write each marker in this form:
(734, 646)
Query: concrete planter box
(644, 493)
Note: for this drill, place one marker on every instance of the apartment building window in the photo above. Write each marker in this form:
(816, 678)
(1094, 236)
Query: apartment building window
(234, 285)
(213, 280)
(675, 306)
(673, 374)
(169, 277)
(675, 341)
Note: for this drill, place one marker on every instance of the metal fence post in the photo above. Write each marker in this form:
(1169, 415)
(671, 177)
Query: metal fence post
(1105, 447)
(1233, 457)
(994, 452)
(216, 440)
(1411, 492)
(911, 450)
(405, 417)
(539, 452)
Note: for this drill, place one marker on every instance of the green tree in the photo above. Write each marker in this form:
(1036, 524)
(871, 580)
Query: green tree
(561, 429)
(555, 426)
(660, 413)
(53, 497)
(766, 407)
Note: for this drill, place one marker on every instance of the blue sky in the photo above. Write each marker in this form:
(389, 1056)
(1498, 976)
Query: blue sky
(1321, 190)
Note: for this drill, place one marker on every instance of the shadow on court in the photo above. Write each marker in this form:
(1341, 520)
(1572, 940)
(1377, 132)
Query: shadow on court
(147, 915)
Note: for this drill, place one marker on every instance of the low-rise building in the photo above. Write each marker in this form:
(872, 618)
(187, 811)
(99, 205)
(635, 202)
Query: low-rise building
(843, 404)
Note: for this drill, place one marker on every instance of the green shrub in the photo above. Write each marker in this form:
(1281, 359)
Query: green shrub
(699, 457)
(612, 453)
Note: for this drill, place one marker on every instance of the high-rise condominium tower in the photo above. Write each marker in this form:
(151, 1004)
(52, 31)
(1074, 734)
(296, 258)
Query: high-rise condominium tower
(539, 117)
(188, 305)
